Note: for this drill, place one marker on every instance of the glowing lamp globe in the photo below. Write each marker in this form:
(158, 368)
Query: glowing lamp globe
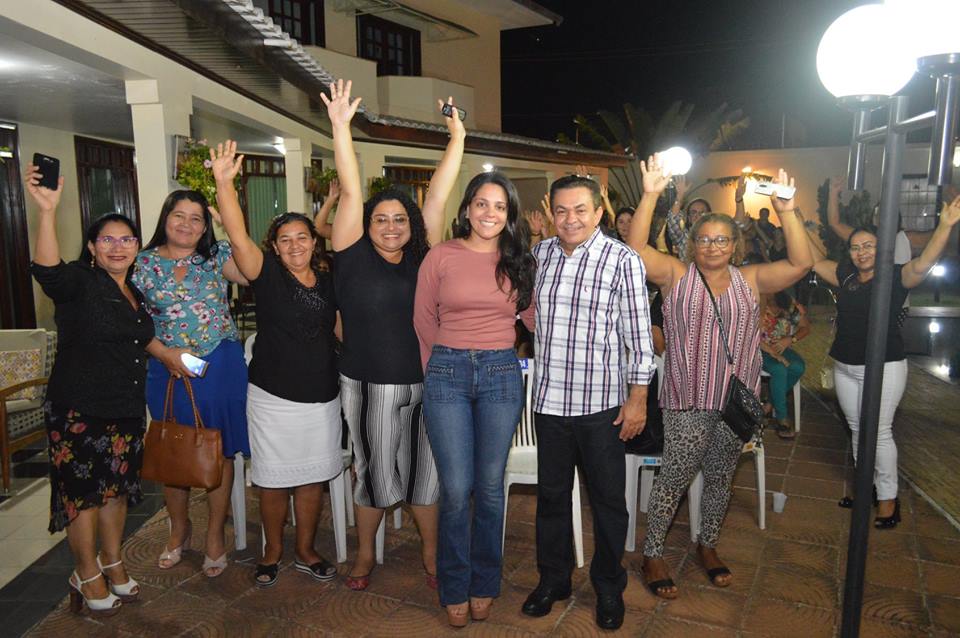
(927, 27)
(676, 160)
(860, 54)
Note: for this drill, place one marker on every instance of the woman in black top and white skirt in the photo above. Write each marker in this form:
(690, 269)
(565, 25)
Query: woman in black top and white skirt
(95, 403)
(293, 407)
(853, 278)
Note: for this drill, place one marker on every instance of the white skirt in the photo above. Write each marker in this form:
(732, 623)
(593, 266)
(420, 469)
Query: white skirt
(292, 443)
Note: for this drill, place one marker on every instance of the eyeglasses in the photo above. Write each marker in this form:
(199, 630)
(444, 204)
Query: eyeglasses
(720, 241)
(127, 241)
(384, 220)
(863, 248)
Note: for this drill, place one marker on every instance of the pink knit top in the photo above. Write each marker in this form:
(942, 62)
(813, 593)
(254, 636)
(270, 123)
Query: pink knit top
(697, 373)
(458, 303)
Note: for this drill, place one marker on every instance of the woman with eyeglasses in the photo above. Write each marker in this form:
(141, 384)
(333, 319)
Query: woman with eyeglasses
(379, 248)
(293, 405)
(183, 274)
(697, 373)
(853, 279)
(94, 408)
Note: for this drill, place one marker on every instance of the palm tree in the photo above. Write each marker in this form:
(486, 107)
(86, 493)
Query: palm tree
(638, 134)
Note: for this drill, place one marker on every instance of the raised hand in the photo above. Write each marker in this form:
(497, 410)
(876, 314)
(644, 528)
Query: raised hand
(333, 190)
(340, 109)
(950, 213)
(217, 218)
(582, 170)
(545, 205)
(783, 205)
(837, 183)
(454, 123)
(741, 187)
(534, 221)
(654, 177)
(682, 185)
(47, 200)
(225, 163)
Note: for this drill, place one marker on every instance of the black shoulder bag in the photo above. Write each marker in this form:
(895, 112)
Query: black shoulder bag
(742, 410)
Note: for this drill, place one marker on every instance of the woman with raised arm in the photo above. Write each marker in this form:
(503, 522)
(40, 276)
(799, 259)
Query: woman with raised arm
(293, 407)
(183, 274)
(94, 408)
(379, 247)
(697, 373)
(853, 278)
(321, 219)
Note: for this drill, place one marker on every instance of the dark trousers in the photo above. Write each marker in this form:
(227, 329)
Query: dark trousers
(594, 441)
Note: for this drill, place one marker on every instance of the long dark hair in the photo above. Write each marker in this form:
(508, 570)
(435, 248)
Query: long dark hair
(207, 246)
(284, 219)
(418, 245)
(93, 231)
(516, 263)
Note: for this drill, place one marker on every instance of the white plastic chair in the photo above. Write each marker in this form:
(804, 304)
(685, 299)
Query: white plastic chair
(797, 392)
(337, 498)
(381, 530)
(522, 462)
(696, 490)
(646, 466)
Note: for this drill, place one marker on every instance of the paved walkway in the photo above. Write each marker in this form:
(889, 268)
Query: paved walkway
(926, 428)
(787, 579)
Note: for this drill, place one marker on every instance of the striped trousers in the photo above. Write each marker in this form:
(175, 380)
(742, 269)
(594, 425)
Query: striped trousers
(393, 459)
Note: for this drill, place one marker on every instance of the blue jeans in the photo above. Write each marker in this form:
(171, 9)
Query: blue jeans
(472, 401)
(782, 379)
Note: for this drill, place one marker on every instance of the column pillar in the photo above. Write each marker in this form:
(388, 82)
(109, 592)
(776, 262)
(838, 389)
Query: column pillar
(157, 117)
(296, 157)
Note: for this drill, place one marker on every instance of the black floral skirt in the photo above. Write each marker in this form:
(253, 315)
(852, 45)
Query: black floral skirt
(92, 459)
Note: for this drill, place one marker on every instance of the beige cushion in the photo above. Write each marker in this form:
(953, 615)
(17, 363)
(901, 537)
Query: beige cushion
(18, 366)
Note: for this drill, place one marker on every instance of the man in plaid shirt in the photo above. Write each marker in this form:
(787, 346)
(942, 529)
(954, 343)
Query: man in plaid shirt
(594, 360)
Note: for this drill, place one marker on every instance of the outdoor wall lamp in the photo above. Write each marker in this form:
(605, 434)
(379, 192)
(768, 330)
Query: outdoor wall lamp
(865, 57)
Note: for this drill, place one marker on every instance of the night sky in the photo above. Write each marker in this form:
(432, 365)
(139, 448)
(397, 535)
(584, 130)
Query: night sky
(758, 56)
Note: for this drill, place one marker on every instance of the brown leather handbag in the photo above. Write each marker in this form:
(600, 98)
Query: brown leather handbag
(182, 455)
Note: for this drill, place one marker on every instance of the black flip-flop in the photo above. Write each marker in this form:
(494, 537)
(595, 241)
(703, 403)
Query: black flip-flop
(272, 572)
(321, 570)
(712, 574)
(663, 583)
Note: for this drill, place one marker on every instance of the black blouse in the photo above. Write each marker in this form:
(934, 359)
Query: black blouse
(293, 355)
(853, 317)
(100, 365)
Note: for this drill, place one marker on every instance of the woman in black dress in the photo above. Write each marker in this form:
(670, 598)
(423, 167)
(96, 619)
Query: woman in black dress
(95, 399)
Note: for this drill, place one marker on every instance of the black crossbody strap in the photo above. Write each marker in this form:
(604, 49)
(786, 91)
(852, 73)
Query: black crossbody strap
(716, 312)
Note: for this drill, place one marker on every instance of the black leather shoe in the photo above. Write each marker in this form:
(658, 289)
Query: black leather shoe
(540, 601)
(609, 611)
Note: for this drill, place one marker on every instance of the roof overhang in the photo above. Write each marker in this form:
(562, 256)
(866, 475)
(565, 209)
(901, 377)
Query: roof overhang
(220, 38)
(515, 14)
(434, 29)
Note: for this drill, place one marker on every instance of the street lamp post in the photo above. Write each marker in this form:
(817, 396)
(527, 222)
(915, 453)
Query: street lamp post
(860, 62)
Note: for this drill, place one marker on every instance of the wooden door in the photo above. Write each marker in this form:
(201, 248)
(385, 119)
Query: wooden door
(16, 289)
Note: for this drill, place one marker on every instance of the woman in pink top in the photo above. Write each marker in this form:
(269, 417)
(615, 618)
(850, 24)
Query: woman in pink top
(469, 292)
(697, 373)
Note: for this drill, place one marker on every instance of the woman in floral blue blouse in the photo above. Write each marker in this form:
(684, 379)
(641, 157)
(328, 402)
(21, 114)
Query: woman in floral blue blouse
(183, 274)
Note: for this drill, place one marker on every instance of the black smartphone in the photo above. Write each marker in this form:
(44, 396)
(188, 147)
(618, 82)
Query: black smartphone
(49, 169)
(447, 110)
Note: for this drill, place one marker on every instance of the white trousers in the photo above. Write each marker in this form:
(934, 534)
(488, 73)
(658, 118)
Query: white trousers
(849, 385)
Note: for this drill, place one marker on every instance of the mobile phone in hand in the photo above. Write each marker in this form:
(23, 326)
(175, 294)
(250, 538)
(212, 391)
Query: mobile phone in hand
(770, 188)
(49, 170)
(447, 110)
(196, 365)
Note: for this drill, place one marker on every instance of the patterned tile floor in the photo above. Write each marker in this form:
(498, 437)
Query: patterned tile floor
(788, 579)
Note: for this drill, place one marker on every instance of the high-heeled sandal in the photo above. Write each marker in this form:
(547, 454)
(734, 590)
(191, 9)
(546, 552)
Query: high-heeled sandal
(97, 606)
(359, 583)
(213, 568)
(173, 556)
(128, 591)
(888, 522)
(457, 614)
(480, 608)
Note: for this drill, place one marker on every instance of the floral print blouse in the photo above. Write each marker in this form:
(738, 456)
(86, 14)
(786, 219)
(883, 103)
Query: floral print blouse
(193, 313)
